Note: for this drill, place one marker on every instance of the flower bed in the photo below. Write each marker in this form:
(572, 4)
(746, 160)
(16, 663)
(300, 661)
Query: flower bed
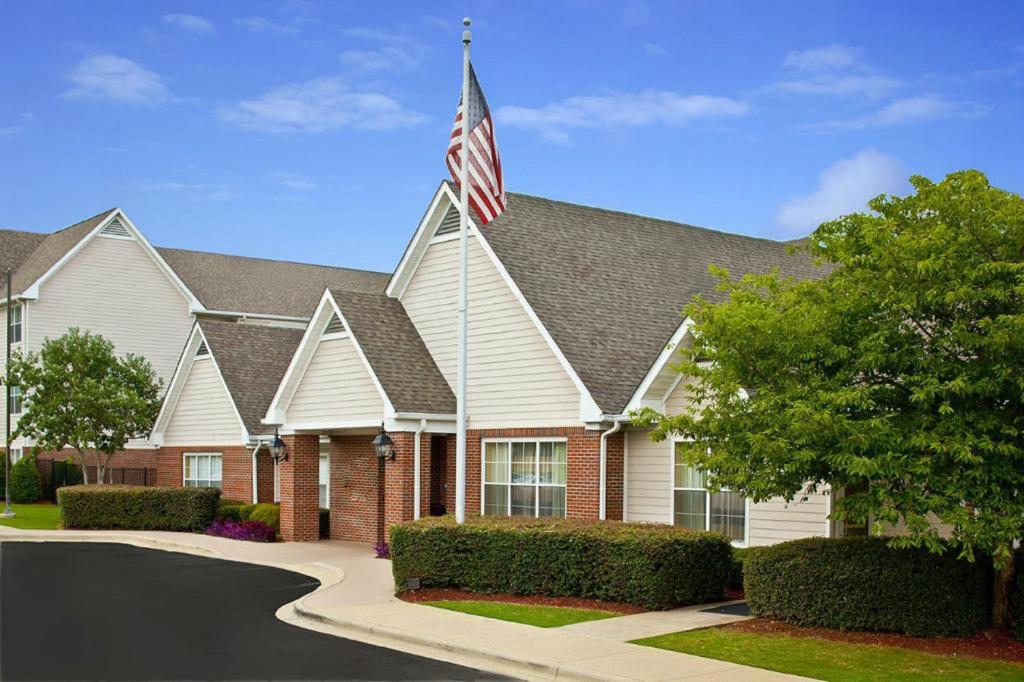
(252, 531)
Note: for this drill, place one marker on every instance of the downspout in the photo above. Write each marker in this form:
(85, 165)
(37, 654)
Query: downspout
(255, 480)
(416, 471)
(616, 425)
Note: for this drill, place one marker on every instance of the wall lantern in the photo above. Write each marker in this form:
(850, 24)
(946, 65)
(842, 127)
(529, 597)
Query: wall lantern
(278, 450)
(384, 446)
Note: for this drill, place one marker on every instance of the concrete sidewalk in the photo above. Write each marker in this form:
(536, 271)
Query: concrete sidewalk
(356, 600)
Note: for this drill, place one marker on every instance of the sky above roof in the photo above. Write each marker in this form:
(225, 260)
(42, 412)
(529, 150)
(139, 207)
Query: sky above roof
(316, 131)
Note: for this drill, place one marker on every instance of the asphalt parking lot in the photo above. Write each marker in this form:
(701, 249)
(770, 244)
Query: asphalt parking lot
(97, 611)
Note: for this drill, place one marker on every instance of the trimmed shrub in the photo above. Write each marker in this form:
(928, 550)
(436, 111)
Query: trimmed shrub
(863, 584)
(268, 513)
(325, 523)
(137, 507)
(657, 567)
(252, 531)
(739, 558)
(26, 483)
(244, 511)
(230, 510)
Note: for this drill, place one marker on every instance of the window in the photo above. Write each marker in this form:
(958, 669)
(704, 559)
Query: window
(524, 478)
(325, 475)
(17, 400)
(202, 470)
(694, 507)
(16, 323)
(16, 454)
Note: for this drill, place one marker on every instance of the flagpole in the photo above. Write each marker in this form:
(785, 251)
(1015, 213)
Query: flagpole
(460, 437)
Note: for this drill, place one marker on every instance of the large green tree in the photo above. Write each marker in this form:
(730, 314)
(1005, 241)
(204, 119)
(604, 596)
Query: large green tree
(898, 377)
(81, 395)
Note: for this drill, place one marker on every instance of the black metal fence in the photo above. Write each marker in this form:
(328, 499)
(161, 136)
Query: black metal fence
(58, 473)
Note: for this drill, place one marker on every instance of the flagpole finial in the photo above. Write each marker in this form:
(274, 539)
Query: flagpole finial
(467, 35)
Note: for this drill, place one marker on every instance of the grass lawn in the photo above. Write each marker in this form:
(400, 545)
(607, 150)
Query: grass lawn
(33, 516)
(829, 660)
(530, 614)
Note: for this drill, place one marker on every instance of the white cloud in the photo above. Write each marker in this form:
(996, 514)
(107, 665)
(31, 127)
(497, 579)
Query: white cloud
(190, 23)
(653, 49)
(844, 187)
(262, 25)
(320, 105)
(828, 58)
(293, 180)
(620, 110)
(908, 110)
(108, 76)
(387, 58)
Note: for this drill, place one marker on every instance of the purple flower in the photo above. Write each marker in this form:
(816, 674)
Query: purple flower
(253, 531)
(383, 550)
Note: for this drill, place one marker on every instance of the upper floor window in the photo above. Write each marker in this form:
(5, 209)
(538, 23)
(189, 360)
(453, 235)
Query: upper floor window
(694, 507)
(15, 330)
(17, 400)
(524, 478)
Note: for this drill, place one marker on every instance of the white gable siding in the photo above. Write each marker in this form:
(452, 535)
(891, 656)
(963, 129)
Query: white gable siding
(648, 479)
(680, 398)
(514, 377)
(111, 287)
(776, 520)
(335, 387)
(204, 414)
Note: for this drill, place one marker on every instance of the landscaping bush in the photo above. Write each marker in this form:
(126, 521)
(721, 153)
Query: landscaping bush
(266, 512)
(657, 567)
(26, 483)
(325, 523)
(230, 510)
(863, 584)
(137, 507)
(252, 531)
(739, 558)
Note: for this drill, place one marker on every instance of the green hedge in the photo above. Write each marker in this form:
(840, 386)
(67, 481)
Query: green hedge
(26, 483)
(739, 558)
(267, 512)
(137, 507)
(657, 567)
(862, 584)
(230, 510)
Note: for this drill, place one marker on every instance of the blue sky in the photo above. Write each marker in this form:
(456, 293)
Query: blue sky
(315, 131)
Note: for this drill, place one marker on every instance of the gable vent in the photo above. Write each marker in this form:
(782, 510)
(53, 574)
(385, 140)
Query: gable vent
(115, 228)
(450, 222)
(334, 326)
(203, 350)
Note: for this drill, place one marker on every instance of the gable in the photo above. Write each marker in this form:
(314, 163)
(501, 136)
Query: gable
(335, 387)
(113, 287)
(203, 413)
(513, 375)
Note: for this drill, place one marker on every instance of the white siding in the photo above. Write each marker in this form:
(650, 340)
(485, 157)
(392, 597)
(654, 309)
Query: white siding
(680, 398)
(111, 287)
(514, 377)
(648, 479)
(335, 387)
(204, 414)
(774, 520)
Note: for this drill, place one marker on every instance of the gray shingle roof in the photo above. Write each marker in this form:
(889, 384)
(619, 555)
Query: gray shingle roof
(15, 247)
(252, 360)
(396, 353)
(258, 285)
(31, 264)
(610, 287)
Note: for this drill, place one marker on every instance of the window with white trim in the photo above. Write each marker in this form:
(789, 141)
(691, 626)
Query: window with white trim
(524, 478)
(16, 454)
(201, 470)
(694, 507)
(15, 328)
(325, 475)
(17, 400)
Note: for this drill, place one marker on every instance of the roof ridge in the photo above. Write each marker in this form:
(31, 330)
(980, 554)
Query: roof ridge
(674, 223)
(271, 260)
(92, 217)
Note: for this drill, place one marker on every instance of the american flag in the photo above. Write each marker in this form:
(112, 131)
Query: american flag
(486, 186)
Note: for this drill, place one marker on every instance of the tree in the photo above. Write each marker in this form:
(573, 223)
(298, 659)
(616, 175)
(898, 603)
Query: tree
(898, 377)
(82, 396)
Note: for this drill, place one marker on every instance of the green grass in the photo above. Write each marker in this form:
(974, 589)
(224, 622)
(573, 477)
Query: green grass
(828, 660)
(33, 516)
(530, 614)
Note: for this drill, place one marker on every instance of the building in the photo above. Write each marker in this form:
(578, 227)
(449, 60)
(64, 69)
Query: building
(575, 315)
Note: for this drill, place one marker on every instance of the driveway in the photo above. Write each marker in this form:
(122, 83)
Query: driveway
(92, 611)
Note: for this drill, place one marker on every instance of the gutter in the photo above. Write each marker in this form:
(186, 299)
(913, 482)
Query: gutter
(617, 422)
(255, 482)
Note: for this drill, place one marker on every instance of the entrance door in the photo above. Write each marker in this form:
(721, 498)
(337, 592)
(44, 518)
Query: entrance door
(438, 475)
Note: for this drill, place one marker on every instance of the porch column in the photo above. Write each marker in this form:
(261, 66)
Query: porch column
(398, 477)
(300, 492)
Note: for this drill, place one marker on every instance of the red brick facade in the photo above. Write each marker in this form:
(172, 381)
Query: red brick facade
(236, 470)
(300, 488)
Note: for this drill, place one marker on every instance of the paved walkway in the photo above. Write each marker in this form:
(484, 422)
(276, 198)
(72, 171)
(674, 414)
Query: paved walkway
(356, 601)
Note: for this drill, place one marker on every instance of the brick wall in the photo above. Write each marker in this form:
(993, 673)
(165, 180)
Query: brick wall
(131, 459)
(353, 489)
(236, 468)
(300, 492)
(264, 475)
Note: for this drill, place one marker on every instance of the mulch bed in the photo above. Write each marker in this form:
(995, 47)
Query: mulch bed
(991, 644)
(439, 594)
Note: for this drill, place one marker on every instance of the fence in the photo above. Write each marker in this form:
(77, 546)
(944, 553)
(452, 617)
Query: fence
(57, 473)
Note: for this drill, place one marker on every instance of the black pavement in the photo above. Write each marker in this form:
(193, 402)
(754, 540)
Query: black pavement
(106, 611)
